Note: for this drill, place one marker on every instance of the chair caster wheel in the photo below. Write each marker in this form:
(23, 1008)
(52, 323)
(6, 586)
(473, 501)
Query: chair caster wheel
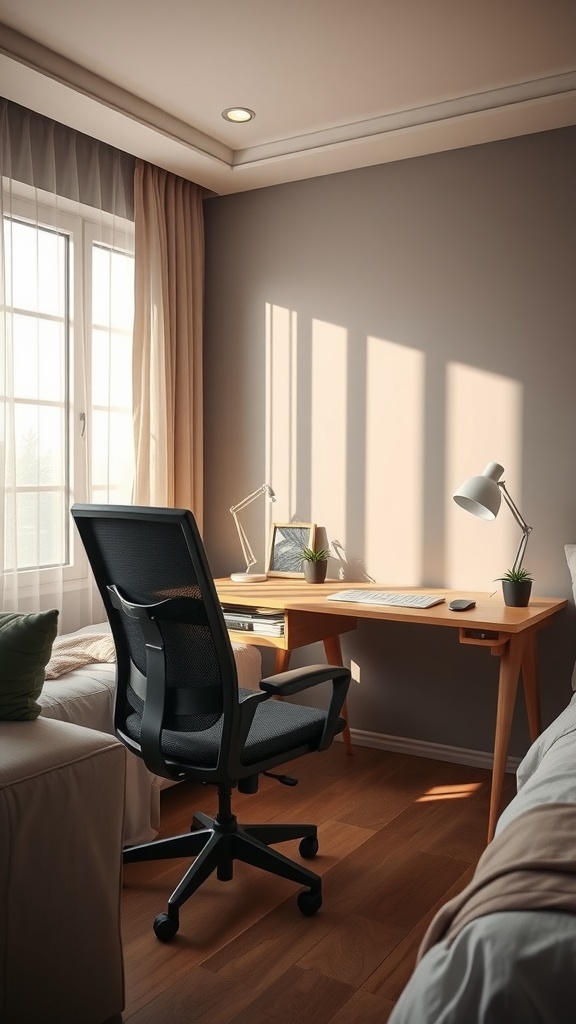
(165, 927)
(308, 847)
(309, 902)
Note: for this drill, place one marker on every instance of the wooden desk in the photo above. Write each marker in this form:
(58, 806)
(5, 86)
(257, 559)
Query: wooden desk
(509, 633)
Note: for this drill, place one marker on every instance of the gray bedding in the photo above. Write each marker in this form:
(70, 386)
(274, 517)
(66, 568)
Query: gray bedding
(512, 966)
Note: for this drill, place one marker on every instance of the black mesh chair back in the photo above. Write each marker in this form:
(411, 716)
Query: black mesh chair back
(154, 558)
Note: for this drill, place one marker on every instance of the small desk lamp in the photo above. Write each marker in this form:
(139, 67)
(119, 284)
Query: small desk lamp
(248, 577)
(481, 495)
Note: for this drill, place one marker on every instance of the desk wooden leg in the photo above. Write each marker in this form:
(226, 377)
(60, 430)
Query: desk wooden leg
(510, 663)
(333, 651)
(281, 660)
(530, 683)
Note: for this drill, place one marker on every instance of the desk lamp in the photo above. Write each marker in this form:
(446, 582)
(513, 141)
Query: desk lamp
(481, 495)
(248, 577)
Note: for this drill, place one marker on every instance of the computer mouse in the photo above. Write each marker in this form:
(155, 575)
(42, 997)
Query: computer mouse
(462, 604)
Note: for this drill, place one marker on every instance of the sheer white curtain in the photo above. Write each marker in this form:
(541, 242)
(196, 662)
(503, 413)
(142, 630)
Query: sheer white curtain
(66, 326)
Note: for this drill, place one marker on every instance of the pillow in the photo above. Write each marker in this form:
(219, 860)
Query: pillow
(570, 551)
(74, 650)
(25, 649)
(96, 627)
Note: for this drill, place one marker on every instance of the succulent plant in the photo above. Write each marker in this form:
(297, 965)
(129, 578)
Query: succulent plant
(314, 554)
(516, 576)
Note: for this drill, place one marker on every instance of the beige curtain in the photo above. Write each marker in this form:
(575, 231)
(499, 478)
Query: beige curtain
(167, 374)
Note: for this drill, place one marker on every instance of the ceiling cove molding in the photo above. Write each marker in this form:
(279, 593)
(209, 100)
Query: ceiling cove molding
(550, 88)
(47, 62)
(422, 140)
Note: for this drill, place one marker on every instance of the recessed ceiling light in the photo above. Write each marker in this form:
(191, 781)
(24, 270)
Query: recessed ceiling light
(238, 114)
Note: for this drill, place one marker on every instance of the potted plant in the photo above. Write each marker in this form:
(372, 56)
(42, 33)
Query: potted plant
(516, 587)
(315, 563)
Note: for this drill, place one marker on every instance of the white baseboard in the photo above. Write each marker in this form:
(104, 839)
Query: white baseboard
(421, 748)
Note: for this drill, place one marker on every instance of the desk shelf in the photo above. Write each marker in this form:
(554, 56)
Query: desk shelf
(300, 629)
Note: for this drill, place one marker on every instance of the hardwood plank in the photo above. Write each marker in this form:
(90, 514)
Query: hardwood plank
(352, 950)
(270, 946)
(364, 1007)
(302, 995)
(393, 973)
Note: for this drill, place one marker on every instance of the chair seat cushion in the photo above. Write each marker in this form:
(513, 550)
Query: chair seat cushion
(278, 727)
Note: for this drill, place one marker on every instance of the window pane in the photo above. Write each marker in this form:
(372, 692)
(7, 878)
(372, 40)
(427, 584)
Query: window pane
(112, 288)
(113, 453)
(39, 354)
(122, 291)
(110, 495)
(40, 445)
(111, 369)
(100, 285)
(5, 335)
(40, 525)
(38, 258)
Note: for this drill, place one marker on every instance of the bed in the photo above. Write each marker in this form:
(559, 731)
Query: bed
(504, 951)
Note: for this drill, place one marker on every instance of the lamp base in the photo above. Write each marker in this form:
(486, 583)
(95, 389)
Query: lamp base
(248, 577)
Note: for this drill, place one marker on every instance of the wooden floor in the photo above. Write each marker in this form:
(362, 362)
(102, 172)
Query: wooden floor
(398, 836)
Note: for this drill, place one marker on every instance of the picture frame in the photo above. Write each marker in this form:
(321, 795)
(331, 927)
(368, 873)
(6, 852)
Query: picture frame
(286, 543)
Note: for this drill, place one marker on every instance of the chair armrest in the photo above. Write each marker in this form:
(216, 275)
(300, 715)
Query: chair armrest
(283, 684)
(295, 680)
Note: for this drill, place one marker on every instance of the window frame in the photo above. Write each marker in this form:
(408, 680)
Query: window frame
(84, 227)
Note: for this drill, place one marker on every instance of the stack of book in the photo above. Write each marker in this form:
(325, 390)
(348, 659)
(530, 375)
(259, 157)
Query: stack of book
(266, 621)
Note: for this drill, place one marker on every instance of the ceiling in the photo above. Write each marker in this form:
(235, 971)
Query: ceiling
(335, 84)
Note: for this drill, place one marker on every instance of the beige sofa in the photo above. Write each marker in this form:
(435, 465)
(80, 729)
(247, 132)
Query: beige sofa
(61, 824)
(85, 696)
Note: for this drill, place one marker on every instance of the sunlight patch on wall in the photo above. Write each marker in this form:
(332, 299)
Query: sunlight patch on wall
(281, 408)
(358, 472)
(394, 462)
(328, 444)
(483, 424)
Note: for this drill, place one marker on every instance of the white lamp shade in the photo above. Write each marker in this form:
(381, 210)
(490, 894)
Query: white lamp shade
(481, 495)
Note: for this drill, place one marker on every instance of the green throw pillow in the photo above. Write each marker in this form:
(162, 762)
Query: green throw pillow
(25, 649)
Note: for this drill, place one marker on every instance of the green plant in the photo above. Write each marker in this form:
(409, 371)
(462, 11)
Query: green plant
(516, 576)
(314, 554)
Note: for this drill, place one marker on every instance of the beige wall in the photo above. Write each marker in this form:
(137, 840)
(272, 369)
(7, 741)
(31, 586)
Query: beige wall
(372, 339)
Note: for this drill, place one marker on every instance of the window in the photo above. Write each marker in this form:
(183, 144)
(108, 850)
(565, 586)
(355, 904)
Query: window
(66, 376)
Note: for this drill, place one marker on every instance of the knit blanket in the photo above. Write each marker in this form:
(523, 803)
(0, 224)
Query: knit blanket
(76, 651)
(530, 865)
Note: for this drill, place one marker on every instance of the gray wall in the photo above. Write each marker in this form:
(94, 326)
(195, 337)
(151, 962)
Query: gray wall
(447, 285)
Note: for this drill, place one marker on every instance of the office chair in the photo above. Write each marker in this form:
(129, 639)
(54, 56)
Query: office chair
(178, 705)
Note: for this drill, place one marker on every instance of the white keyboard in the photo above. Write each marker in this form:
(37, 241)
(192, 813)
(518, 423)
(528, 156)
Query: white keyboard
(400, 600)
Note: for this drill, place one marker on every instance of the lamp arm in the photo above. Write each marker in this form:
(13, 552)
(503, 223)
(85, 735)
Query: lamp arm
(255, 494)
(247, 551)
(526, 530)
(521, 549)
(244, 543)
